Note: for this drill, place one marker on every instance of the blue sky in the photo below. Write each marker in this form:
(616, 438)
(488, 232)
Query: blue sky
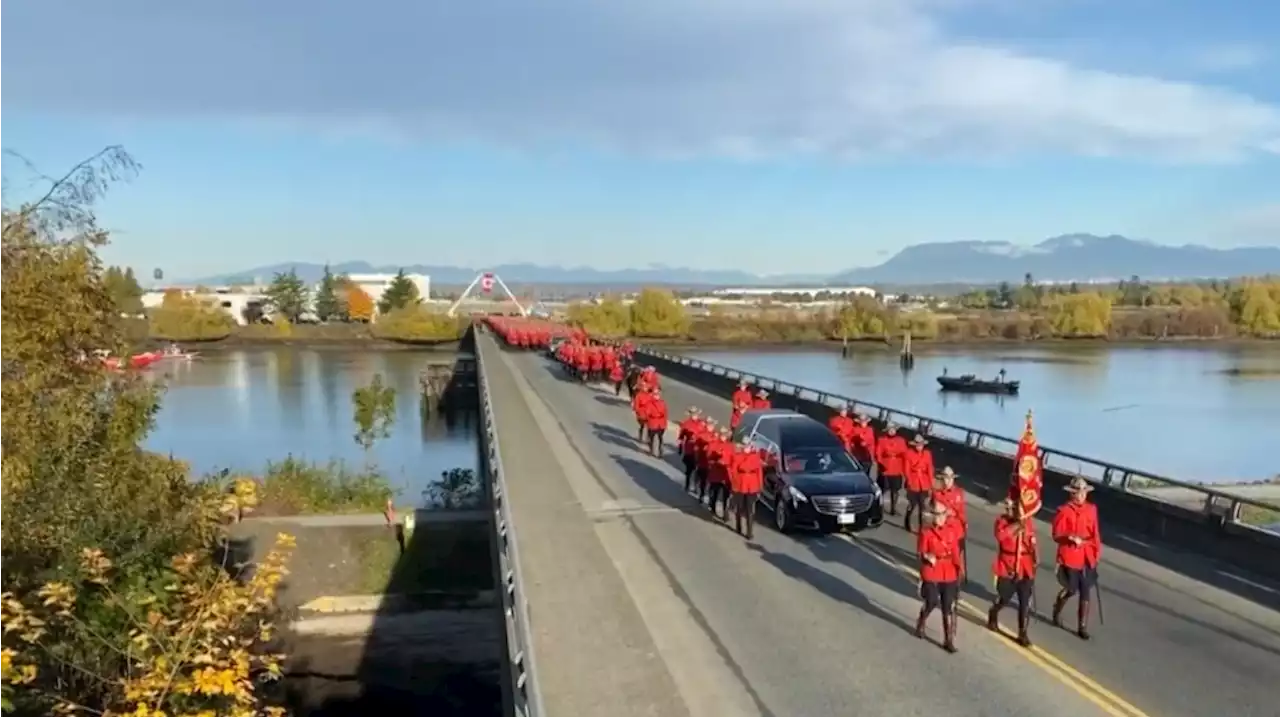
(766, 135)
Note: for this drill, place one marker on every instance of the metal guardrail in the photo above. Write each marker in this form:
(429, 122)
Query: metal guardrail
(525, 696)
(1118, 477)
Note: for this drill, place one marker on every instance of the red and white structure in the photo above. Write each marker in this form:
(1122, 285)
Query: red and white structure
(486, 280)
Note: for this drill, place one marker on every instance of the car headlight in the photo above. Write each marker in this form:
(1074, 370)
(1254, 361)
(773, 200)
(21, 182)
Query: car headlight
(796, 495)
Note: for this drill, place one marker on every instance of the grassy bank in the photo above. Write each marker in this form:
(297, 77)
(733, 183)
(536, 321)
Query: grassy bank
(296, 487)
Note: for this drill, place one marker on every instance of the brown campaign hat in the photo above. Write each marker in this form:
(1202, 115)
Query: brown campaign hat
(919, 440)
(1078, 485)
(947, 472)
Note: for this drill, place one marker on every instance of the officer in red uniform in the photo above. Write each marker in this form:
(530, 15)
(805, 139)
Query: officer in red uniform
(741, 401)
(685, 439)
(917, 470)
(616, 375)
(1076, 531)
(748, 481)
(640, 407)
(1015, 569)
(864, 441)
(891, 452)
(719, 464)
(702, 455)
(952, 496)
(655, 421)
(938, 547)
(761, 401)
(842, 425)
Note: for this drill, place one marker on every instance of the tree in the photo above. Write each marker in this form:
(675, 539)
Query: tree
(183, 317)
(400, 293)
(1258, 313)
(289, 295)
(1083, 315)
(608, 319)
(124, 289)
(418, 324)
(107, 567)
(657, 314)
(374, 411)
(329, 302)
(458, 488)
(359, 304)
(861, 318)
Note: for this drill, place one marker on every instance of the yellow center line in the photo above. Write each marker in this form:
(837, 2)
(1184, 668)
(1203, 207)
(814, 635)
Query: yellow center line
(1108, 701)
(1105, 699)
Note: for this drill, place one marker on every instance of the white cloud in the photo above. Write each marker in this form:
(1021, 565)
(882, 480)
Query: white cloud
(738, 78)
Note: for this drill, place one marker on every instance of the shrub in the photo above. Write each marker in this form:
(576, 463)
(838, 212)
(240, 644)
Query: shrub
(294, 487)
(418, 324)
(184, 317)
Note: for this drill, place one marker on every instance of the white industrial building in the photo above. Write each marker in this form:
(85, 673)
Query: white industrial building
(811, 291)
(375, 285)
(235, 300)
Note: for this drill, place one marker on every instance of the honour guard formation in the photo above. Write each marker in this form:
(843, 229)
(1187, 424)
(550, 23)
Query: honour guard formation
(728, 478)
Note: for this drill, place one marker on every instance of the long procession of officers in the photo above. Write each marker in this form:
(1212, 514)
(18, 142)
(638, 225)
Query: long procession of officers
(728, 479)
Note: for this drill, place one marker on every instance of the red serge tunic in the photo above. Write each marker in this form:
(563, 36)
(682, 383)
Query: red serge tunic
(944, 545)
(1077, 520)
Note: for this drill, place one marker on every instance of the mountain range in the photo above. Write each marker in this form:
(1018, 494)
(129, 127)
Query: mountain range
(1070, 257)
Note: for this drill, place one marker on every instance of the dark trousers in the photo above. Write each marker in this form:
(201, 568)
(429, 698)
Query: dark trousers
(744, 510)
(940, 595)
(1022, 588)
(655, 440)
(718, 493)
(701, 474)
(639, 429)
(916, 501)
(617, 388)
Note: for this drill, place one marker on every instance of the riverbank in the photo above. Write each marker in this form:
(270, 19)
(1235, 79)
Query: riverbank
(312, 336)
(926, 345)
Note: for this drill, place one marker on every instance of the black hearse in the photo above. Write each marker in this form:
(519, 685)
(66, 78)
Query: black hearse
(810, 480)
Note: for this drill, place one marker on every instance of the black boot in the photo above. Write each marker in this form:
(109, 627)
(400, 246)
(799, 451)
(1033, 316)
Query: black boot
(920, 621)
(949, 632)
(1082, 628)
(893, 503)
(1024, 626)
(993, 618)
(1059, 604)
(906, 521)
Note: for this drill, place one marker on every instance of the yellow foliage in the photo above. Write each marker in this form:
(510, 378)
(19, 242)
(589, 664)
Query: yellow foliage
(657, 314)
(182, 317)
(417, 323)
(360, 306)
(1084, 315)
(608, 319)
(862, 318)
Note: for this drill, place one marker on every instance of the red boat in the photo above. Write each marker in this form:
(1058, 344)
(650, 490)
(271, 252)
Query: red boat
(137, 361)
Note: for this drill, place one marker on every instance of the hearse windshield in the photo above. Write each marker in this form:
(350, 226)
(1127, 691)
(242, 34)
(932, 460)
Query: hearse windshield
(818, 460)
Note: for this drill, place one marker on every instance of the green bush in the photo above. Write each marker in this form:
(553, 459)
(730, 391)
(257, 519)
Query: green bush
(297, 487)
(418, 324)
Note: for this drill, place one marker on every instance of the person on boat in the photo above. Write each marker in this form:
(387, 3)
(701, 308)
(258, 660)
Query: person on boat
(863, 441)
(655, 422)
(1015, 569)
(917, 470)
(761, 401)
(842, 425)
(891, 452)
(1076, 531)
(747, 482)
(939, 553)
(740, 402)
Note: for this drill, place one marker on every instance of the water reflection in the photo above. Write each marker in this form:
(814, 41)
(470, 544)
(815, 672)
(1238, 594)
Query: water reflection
(1178, 411)
(241, 409)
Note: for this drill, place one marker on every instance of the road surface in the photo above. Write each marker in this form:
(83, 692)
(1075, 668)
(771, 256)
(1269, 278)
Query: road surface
(818, 625)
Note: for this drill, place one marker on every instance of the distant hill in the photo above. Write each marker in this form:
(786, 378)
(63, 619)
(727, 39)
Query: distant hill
(1071, 257)
(525, 274)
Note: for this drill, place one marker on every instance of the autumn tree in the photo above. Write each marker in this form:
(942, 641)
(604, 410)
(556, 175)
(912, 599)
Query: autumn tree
(187, 317)
(1083, 315)
(418, 324)
(360, 306)
(862, 317)
(609, 318)
(1256, 310)
(656, 313)
(124, 289)
(113, 603)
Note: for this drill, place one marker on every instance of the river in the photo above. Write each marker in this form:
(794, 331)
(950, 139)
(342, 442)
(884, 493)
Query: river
(240, 409)
(1196, 413)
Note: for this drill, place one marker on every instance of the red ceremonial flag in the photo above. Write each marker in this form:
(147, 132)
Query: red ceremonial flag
(1028, 475)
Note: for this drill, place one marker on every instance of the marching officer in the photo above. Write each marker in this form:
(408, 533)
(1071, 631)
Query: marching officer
(938, 548)
(761, 401)
(748, 481)
(655, 422)
(864, 441)
(741, 403)
(842, 425)
(891, 452)
(917, 469)
(1075, 530)
(685, 440)
(1015, 569)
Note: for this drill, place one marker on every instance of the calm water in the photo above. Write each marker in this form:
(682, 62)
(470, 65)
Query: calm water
(1174, 411)
(241, 409)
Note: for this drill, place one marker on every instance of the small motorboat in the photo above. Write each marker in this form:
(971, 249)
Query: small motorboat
(970, 383)
(136, 361)
(175, 352)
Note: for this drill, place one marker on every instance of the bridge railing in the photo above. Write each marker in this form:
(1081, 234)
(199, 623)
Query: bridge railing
(1213, 502)
(525, 698)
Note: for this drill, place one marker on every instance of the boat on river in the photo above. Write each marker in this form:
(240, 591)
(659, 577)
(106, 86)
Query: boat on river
(136, 361)
(969, 383)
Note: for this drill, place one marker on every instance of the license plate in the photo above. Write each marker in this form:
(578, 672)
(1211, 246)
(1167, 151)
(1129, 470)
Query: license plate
(846, 518)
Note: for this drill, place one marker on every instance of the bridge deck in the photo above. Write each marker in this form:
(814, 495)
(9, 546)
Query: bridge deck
(643, 605)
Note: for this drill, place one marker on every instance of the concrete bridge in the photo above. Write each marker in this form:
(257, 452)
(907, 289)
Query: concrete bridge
(625, 598)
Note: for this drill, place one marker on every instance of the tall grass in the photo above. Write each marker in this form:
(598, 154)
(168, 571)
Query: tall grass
(296, 487)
